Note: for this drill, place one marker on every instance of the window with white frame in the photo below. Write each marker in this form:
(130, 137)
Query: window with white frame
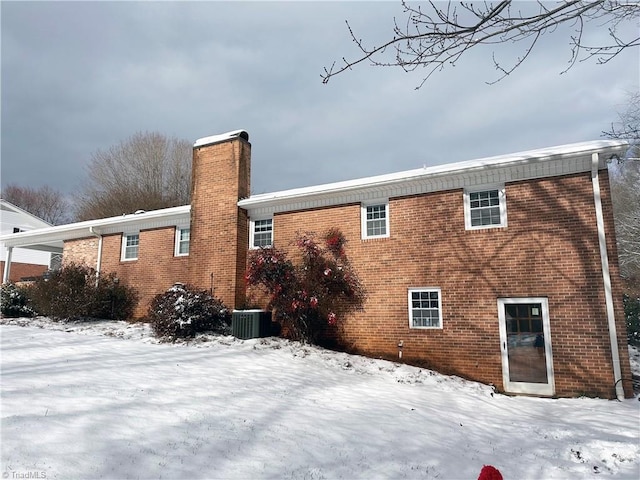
(425, 309)
(182, 241)
(261, 234)
(130, 244)
(485, 208)
(375, 220)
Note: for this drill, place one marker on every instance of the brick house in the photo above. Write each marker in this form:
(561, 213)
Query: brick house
(502, 270)
(25, 262)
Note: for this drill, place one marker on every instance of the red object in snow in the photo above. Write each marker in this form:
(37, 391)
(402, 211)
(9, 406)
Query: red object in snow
(490, 473)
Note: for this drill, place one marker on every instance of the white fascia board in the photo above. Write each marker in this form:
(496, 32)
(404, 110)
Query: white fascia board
(179, 216)
(221, 138)
(502, 168)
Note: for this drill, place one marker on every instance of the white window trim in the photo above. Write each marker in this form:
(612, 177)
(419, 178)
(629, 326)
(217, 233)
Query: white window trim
(502, 196)
(409, 304)
(177, 242)
(124, 246)
(363, 218)
(252, 231)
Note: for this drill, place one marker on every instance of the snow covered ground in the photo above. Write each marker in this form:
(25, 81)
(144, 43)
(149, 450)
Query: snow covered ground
(106, 400)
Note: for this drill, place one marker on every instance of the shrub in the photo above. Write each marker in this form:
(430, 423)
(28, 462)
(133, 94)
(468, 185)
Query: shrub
(14, 301)
(64, 293)
(632, 317)
(310, 298)
(76, 292)
(114, 300)
(182, 311)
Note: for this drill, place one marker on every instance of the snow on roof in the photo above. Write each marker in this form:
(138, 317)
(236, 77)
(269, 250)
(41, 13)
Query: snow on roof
(221, 138)
(129, 222)
(523, 158)
(337, 190)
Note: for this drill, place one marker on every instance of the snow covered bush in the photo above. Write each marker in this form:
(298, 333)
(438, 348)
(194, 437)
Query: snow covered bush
(76, 292)
(309, 298)
(14, 301)
(182, 311)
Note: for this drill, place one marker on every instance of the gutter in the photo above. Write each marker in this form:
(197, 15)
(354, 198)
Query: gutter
(93, 232)
(611, 320)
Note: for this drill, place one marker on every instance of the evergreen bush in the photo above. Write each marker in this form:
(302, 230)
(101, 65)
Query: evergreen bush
(76, 292)
(114, 300)
(632, 318)
(183, 311)
(14, 301)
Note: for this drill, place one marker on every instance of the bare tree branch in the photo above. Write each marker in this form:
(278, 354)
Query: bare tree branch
(437, 36)
(147, 171)
(625, 190)
(628, 125)
(44, 202)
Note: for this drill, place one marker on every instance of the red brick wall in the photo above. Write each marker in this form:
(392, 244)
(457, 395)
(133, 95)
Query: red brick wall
(155, 270)
(83, 251)
(549, 249)
(23, 270)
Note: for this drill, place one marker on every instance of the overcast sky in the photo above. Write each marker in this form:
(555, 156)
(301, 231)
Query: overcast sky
(79, 77)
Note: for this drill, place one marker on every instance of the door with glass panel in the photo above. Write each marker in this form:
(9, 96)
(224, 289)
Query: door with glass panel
(527, 362)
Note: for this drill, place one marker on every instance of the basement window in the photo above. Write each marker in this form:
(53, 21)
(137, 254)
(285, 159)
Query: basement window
(425, 309)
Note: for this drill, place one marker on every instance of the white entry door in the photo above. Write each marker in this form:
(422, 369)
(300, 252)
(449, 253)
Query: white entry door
(527, 362)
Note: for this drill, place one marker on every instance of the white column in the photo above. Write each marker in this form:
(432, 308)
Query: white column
(7, 265)
(99, 261)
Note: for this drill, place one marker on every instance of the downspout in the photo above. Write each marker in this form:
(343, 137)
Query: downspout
(7, 265)
(613, 336)
(99, 262)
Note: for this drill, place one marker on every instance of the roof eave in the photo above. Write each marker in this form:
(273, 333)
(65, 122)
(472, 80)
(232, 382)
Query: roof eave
(72, 231)
(370, 185)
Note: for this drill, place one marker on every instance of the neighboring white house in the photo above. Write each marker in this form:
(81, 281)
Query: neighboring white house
(25, 262)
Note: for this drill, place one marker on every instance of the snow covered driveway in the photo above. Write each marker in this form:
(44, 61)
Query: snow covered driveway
(107, 401)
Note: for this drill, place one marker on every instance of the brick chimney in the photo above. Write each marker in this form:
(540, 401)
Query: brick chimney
(219, 229)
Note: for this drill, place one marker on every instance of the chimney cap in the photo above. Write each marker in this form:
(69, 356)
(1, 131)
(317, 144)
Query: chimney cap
(223, 137)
